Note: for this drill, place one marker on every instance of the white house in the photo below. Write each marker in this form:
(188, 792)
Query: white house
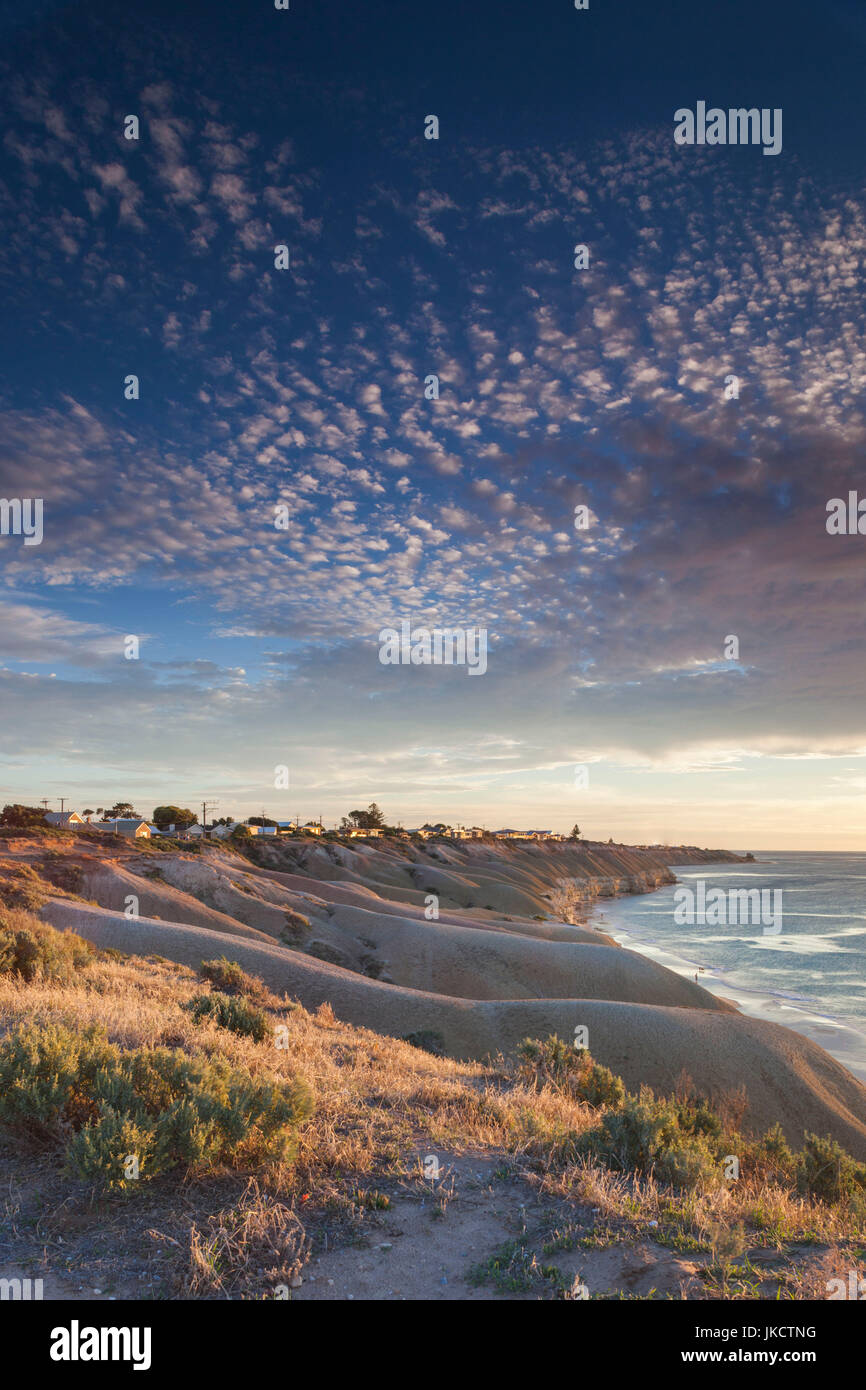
(64, 820)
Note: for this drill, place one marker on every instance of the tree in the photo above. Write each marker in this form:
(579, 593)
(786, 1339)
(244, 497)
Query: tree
(17, 815)
(261, 820)
(371, 819)
(88, 811)
(120, 809)
(173, 815)
(575, 832)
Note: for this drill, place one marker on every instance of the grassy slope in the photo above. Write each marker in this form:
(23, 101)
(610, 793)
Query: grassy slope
(511, 1212)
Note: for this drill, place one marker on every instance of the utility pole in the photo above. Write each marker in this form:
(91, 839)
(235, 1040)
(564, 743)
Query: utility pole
(45, 802)
(62, 804)
(205, 807)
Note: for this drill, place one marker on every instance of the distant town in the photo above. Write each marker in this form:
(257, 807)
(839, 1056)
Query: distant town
(182, 823)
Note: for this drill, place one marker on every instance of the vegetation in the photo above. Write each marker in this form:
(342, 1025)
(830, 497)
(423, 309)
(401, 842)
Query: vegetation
(19, 817)
(428, 1040)
(226, 975)
(107, 1062)
(570, 1070)
(181, 816)
(371, 819)
(227, 1011)
(126, 1116)
(827, 1172)
(33, 951)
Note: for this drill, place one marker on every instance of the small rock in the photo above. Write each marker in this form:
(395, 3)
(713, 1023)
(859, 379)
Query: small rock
(386, 1245)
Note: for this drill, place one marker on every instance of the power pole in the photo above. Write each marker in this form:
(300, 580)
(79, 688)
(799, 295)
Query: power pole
(62, 804)
(45, 802)
(205, 807)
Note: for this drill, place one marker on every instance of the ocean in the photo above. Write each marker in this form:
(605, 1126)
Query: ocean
(808, 972)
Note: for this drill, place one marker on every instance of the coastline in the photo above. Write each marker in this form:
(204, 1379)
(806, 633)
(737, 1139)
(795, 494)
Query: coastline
(843, 1039)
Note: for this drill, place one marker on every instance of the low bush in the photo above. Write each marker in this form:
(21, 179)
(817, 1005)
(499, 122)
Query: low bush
(569, 1070)
(828, 1172)
(227, 1011)
(649, 1134)
(428, 1040)
(228, 976)
(105, 1106)
(32, 950)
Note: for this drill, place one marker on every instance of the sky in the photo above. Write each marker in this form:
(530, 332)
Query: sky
(611, 697)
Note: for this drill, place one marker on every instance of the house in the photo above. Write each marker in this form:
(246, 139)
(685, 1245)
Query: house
(287, 827)
(131, 826)
(356, 833)
(64, 820)
(222, 832)
(422, 830)
(314, 827)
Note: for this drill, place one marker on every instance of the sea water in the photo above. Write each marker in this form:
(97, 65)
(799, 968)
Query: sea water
(810, 975)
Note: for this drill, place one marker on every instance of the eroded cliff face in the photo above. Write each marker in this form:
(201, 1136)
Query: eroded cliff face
(556, 878)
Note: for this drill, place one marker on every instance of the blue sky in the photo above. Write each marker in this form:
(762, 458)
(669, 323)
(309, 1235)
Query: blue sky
(558, 388)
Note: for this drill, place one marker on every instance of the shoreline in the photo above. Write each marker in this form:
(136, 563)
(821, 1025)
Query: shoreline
(844, 1040)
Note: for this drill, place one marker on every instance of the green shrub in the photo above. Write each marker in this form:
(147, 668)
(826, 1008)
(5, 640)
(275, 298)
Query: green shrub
(228, 976)
(428, 1040)
(39, 952)
(771, 1156)
(827, 1171)
(76, 1090)
(649, 1134)
(238, 1015)
(569, 1070)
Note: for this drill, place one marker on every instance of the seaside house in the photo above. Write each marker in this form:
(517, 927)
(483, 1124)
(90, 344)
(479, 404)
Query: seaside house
(222, 832)
(64, 820)
(131, 826)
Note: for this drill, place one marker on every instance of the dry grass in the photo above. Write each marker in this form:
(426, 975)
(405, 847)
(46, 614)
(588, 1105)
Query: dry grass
(379, 1102)
(258, 1239)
